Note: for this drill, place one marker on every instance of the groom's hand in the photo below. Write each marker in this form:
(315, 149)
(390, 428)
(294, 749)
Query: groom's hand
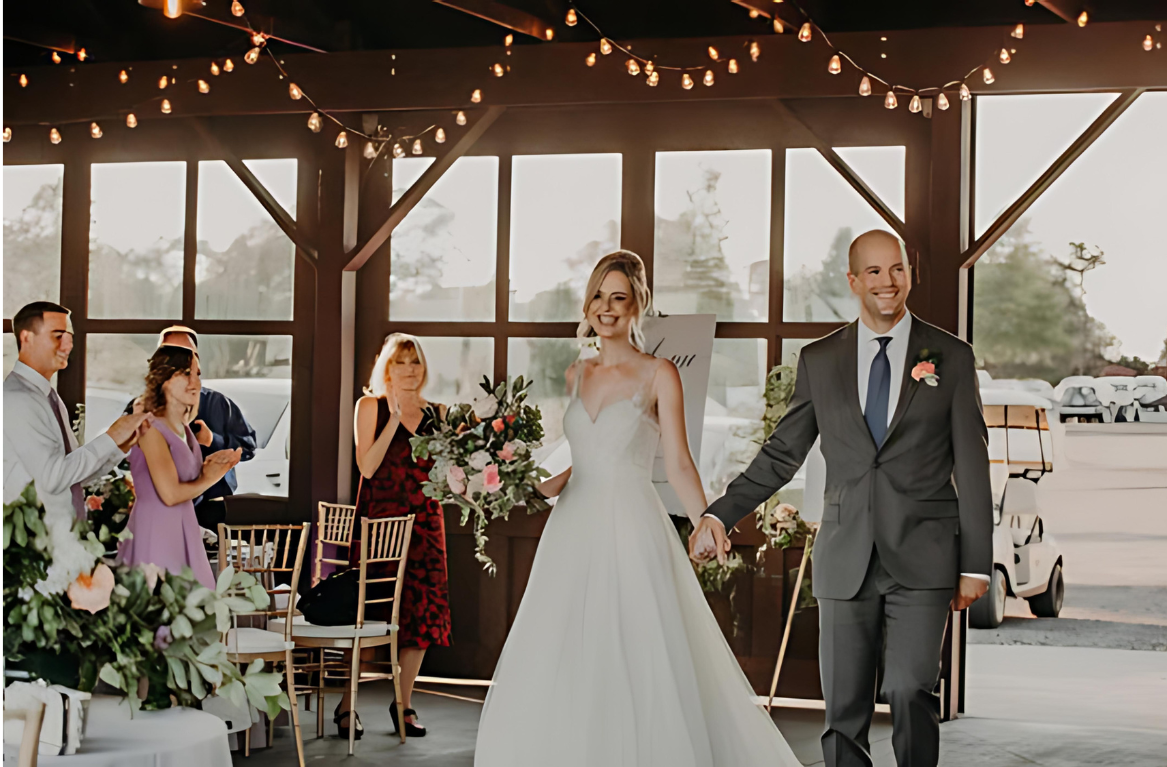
(709, 539)
(968, 591)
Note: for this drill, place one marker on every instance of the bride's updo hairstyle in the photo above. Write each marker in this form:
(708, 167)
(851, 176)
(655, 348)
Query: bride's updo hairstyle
(629, 264)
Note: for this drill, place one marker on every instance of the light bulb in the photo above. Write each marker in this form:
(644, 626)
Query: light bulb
(417, 146)
(708, 78)
(713, 53)
(460, 118)
(252, 55)
(165, 106)
(965, 94)
(82, 55)
(440, 136)
(294, 92)
(131, 121)
(591, 59)
(370, 150)
(258, 38)
(398, 152)
(94, 130)
(1018, 31)
(633, 67)
(54, 136)
(214, 69)
(549, 34)
(571, 19)
(605, 46)
(836, 66)
(56, 57)
(163, 82)
(476, 96)
(653, 79)
(24, 81)
(315, 123)
(204, 86)
(123, 77)
(171, 9)
(942, 101)
(778, 28)
(865, 86)
(341, 140)
(649, 67)
(1148, 43)
(989, 76)
(754, 13)
(755, 51)
(1083, 18)
(732, 67)
(498, 70)
(914, 105)
(7, 134)
(228, 65)
(686, 81)
(1005, 58)
(889, 100)
(1030, 2)
(804, 33)
(237, 8)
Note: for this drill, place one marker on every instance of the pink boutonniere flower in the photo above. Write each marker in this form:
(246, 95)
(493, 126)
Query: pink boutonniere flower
(926, 372)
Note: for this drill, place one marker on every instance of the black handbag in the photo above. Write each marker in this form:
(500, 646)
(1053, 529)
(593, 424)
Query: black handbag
(333, 601)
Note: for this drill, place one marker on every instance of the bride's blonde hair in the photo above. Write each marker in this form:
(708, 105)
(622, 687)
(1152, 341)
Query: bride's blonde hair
(629, 264)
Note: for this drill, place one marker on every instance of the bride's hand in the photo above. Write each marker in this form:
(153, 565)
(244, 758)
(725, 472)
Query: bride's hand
(709, 539)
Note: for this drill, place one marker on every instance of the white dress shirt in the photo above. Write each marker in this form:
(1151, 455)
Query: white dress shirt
(897, 356)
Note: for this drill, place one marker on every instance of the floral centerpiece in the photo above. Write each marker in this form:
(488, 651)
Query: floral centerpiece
(108, 503)
(482, 457)
(72, 618)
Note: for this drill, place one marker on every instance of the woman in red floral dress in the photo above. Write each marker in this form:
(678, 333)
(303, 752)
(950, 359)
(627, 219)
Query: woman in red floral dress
(391, 486)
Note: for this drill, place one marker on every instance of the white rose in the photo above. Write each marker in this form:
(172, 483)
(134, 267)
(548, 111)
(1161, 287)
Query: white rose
(486, 407)
(479, 459)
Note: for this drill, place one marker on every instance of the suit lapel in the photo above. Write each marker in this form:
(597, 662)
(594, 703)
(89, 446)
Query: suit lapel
(908, 385)
(849, 372)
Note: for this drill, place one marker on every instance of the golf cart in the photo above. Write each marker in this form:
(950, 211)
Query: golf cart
(1026, 560)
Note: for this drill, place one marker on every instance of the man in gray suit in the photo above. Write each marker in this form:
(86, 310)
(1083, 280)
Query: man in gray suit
(906, 533)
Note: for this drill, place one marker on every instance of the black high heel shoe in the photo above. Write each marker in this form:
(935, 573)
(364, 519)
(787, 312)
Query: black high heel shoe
(412, 730)
(339, 716)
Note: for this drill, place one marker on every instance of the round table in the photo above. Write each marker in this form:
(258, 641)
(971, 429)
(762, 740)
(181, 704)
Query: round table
(176, 737)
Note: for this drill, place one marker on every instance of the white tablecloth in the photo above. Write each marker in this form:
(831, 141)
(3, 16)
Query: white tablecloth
(176, 737)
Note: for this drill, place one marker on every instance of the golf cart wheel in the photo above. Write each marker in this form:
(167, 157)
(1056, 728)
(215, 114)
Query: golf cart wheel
(988, 611)
(1049, 603)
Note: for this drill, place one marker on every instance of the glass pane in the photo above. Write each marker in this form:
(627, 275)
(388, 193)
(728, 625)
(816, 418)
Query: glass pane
(1018, 137)
(1034, 315)
(115, 373)
(734, 408)
(712, 238)
(444, 252)
(32, 235)
(544, 361)
(565, 215)
(136, 240)
(456, 367)
(883, 169)
(823, 214)
(245, 261)
(10, 353)
(792, 348)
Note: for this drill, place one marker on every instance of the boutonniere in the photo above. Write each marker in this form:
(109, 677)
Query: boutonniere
(925, 369)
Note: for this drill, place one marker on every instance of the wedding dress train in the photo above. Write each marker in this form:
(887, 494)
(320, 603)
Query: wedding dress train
(614, 657)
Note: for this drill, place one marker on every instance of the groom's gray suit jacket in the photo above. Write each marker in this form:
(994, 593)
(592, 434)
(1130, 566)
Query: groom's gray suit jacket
(923, 499)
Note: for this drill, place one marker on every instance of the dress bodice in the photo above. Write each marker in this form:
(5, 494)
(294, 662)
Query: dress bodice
(621, 441)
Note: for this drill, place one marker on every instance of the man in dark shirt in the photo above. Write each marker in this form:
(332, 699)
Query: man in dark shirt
(220, 426)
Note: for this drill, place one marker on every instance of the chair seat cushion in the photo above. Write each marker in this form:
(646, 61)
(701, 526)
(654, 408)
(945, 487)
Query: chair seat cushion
(246, 641)
(302, 628)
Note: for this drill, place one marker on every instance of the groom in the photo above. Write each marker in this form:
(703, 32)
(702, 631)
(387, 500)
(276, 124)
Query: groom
(906, 533)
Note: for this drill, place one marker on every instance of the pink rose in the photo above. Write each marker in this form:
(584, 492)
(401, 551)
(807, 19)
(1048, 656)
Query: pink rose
(510, 419)
(498, 425)
(508, 451)
(456, 479)
(91, 592)
(490, 481)
(93, 502)
(926, 372)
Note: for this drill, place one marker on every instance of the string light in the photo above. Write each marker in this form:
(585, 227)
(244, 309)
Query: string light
(686, 81)
(1030, 2)
(732, 66)
(1148, 43)
(131, 121)
(171, 9)
(649, 67)
(214, 69)
(7, 134)
(123, 77)
(163, 82)
(370, 150)
(252, 55)
(965, 94)
(258, 38)
(294, 92)
(476, 96)
(836, 66)
(571, 19)
(56, 57)
(713, 53)
(605, 46)
(440, 136)
(165, 106)
(498, 70)
(341, 140)
(708, 79)
(398, 152)
(228, 65)
(633, 67)
(54, 136)
(865, 86)
(754, 13)
(237, 8)
(653, 79)
(591, 59)
(1018, 32)
(755, 51)
(315, 123)
(889, 100)
(204, 86)
(1005, 58)
(914, 105)
(460, 118)
(94, 130)
(989, 76)
(82, 55)
(778, 28)
(1083, 17)
(942, 101)
(549, 34)
(24, 81)
(417, 146)
(804, 33)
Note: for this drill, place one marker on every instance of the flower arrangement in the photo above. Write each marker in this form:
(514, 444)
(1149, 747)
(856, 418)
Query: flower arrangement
(123, 624)
(108, 503)
(482, 457)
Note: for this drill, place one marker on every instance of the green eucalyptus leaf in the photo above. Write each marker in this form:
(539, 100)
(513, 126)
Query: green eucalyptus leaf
(196, 614)
(222, 616)
(234, 692)
(181, 627)
(178, 669)
(196, 681)
(110, 676)
(224, 581)
(198, 596)
(259, 596)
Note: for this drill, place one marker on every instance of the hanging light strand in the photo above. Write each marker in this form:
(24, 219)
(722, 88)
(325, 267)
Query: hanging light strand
(643, 61)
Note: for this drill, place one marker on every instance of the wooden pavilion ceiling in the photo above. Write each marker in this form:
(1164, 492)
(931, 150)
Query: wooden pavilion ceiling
(124, 30)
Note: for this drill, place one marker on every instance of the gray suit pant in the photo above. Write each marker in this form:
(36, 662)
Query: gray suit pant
(851, 637)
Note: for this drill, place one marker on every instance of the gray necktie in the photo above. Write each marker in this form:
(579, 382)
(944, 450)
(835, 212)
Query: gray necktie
(78, 494)
(878, 393)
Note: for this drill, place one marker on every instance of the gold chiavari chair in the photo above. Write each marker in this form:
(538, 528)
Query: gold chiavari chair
(265, 551)
(384, 543)
(334, 525)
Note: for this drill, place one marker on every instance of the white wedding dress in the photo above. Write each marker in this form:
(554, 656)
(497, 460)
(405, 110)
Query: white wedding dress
(615, 658)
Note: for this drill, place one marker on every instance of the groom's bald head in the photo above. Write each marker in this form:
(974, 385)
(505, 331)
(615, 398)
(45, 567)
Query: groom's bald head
(876, 245)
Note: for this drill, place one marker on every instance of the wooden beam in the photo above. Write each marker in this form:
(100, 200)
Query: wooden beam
(413, 195)
(503, 15)
(1062, 9)
(283, 220)
(1052, 174)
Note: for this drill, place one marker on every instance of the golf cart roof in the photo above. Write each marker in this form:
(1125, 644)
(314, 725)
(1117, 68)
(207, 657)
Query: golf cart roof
(991, 396)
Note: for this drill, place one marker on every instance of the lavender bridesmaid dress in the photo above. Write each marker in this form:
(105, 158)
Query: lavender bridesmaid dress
(167, 536)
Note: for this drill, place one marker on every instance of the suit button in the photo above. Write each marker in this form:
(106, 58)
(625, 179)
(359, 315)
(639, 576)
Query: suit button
(875, 465)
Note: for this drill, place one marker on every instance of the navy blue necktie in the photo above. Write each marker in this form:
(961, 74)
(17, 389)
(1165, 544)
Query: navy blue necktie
(878, 392)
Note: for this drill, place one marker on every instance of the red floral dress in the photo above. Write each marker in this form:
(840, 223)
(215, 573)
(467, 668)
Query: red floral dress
(395, 490)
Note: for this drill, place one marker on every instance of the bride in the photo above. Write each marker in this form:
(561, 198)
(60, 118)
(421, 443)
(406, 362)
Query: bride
(614, 657)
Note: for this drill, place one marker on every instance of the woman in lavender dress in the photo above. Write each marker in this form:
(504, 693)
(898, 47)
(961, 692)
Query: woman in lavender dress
(169, 471)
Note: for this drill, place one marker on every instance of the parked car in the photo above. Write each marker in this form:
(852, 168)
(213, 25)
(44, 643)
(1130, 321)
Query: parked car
(1077, 398)
(1027, 562)
(265, 403)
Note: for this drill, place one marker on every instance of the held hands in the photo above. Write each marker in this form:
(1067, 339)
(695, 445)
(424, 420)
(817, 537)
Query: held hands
(127, 430)
(203, 436)
(709, 539)
(968, 591)
(217, 464)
